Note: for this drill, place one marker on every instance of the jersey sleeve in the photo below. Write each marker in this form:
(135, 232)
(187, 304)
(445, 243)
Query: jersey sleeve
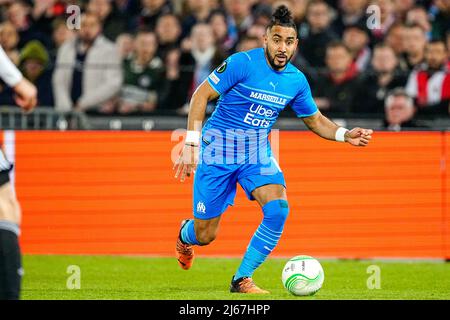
(303, 103)
(230, 72)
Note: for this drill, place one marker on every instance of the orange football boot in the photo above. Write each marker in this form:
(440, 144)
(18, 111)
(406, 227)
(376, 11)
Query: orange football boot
(245, 285)
(184, 251)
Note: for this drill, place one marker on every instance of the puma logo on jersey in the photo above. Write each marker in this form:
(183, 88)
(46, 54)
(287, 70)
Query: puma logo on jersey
(274, 86)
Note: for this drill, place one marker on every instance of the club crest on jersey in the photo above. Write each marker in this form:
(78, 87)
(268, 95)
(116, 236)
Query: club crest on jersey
(222, 67)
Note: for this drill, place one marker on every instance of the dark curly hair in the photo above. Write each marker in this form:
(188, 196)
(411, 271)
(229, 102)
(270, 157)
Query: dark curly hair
(282, 17)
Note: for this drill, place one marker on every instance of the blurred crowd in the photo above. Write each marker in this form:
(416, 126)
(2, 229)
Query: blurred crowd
(381, 58)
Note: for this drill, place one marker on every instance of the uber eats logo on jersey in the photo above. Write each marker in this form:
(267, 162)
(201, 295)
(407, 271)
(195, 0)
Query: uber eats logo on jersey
(222, 67)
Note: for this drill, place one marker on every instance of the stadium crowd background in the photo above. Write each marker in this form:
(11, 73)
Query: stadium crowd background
(146, 57)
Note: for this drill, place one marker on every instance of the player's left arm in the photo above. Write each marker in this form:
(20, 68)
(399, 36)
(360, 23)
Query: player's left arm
(327, 129)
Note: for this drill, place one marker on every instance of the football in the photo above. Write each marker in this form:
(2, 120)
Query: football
(303, 276)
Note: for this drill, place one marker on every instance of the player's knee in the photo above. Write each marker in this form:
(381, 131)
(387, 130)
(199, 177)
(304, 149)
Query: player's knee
(276, 213)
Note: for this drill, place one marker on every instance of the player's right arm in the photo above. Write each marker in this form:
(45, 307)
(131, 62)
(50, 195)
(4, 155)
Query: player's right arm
(26, 92)
(222, 79)
(188, 159)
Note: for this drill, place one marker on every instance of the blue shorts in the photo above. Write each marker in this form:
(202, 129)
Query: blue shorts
(215, 184)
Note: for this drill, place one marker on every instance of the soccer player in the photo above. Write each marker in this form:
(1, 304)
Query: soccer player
(10, 257)
(253, 87)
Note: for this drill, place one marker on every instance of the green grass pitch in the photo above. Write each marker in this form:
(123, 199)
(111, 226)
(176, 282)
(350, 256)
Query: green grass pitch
(111, 277)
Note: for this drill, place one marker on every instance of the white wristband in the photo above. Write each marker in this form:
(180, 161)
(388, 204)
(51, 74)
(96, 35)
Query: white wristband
(340, 134)
(193, 137)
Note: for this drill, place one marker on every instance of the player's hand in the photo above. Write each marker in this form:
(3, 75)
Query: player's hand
(359, 137)
(26, 95)
(187, 162)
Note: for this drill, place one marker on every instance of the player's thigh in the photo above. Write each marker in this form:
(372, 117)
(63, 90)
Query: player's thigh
(9, 206)
(269, 192)
(214, 190)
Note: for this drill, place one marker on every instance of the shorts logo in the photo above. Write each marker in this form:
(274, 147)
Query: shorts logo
(222, 67)
(201, 207)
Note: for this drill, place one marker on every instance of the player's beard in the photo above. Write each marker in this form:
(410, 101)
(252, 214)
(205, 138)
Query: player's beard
(274, 62)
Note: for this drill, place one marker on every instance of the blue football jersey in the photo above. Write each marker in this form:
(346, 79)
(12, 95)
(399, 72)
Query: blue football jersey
(252, 94)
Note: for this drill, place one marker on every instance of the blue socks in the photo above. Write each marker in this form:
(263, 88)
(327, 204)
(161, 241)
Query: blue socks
(188, 233)
(265, 238)
(263, 241)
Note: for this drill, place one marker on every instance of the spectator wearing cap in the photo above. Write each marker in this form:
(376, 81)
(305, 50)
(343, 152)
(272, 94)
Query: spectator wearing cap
(88, 69)
(374, 84)
(34, 64)
(429, 83)
(356, 38)
(400, 111)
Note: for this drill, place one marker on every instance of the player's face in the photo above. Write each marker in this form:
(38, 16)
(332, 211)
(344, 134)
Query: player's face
(280, 44)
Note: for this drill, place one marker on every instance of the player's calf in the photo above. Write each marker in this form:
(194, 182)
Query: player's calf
(265, 238)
